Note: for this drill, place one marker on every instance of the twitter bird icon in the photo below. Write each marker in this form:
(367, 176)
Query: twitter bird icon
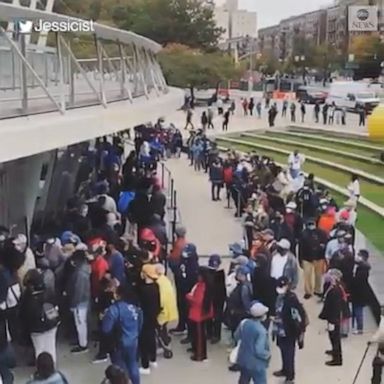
(23, 26)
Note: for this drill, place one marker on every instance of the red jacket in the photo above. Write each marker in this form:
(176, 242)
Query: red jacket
(196, 299)
(99, 268)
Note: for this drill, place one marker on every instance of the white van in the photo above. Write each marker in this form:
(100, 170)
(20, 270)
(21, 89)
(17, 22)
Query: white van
(351, 94)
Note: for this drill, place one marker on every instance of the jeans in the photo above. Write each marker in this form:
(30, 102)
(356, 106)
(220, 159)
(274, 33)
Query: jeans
(215, 191)
(126, 358)
(45, 342)
(258, 377)
(287, 347)
(7, 362)
(358, 317)
(335, 339)
(80, 314)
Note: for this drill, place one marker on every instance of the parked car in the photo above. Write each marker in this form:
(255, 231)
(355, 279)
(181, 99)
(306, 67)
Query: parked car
(310, 95)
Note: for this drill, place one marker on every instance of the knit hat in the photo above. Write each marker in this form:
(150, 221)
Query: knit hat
(189, 251)
(236, 249)
(241, 260)
(364, 254)
(257, 309)
(284, 244)
(242, 270)
(214, 261)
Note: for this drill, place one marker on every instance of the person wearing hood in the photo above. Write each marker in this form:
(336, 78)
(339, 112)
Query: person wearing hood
(99, 265)
(254, 352)
(219, 298)
(46, 372)
(149, 297)
(39, 314)
(294, 222)
(360, 290)
(281, 229)
(185, 273)
(149, 242)
(158, 201)
(284, 263)
(54, 253)
(159, 228)
(332, 314)
(21, 244)
(78, 291)
(312, 259)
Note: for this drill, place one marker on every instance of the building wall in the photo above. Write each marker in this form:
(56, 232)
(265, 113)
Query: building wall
(244, 23)
(222, 21)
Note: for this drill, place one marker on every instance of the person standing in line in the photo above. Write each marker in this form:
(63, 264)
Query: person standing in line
(360, 291)
(331, 114)
(204, 120)
(332, 313)
(312, 258)
(343, 116)
(216, 177)
(316, 110)
(293, 112)
(251, 106)
(254, 351)
(219, 105)
(233, 107)
(188, 122)
(127, 318)
(362, 114)
(78, 291)
(244, 103)
(354, 188)
(325, 113)
(210, 118)
(289, 326)
(303, 111)
(258, 109)
(149, 296)
(45, 371)
(200, 301)
(226, 120)
(284, 109)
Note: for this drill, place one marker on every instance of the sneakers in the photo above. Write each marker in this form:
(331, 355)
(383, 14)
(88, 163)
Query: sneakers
(357, 332)
(307, 296)
(334, 363)
(153, 364)
(279, 373)
(178, 331)
(77, 350)
(144, 371)
(100, 358)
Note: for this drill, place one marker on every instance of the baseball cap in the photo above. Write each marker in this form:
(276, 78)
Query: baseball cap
(189, 250)
(214, 261)
(284, 244)
(241, 260)
(242, 270)
(236, 249)
(257, 309)
(282, 282)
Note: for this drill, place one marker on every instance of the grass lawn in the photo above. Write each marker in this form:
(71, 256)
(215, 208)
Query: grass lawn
(369, 223)
(327, 144)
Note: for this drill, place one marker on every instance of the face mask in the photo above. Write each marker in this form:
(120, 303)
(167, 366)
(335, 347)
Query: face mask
(358, 259)
(311, 227)
(281, 291)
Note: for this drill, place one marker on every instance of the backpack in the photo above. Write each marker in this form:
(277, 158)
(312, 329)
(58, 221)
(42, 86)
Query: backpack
(50, 317)
(228, 175)
(299, 318)
(124, 201)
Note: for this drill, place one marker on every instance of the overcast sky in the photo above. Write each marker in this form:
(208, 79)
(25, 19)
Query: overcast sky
(272, 11)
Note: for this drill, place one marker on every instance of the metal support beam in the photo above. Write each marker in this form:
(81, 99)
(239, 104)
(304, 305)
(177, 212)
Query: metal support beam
(100, 63)
(81, 70)
(23, 74)
(151, 72)
(123, 77)
(141, 70)
(60, 59)
(29, 67)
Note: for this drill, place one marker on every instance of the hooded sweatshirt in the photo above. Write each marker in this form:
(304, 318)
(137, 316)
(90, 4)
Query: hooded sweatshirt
(56, 378)
(168, 302)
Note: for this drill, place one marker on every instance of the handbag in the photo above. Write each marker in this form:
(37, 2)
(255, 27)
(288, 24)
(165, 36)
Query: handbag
(234, 355)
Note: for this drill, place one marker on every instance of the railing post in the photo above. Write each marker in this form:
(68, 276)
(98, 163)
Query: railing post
(174, 221)
(172, 190)
(23, 74)
(162, 175)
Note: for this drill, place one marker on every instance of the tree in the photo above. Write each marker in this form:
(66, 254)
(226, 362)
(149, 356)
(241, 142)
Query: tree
(191, 68)
(367, 47)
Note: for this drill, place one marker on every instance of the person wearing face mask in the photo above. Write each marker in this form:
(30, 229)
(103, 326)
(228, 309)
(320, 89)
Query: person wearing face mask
(254, 351)
(360, 291)
(281, 229)
(289, 326)
(334, 244)
(284, 264)
(332, 313)
(312, 258)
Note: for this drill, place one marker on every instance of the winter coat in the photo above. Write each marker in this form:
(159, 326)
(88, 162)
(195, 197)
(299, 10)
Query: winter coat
(99, 268)
(116, 266)
(254, 351)
(149, 297)
(216, 174)
(196, 301)
(56, 378)
(78, 285)
(158, 202)
(186, 274)
(219, 291)
(360, 288)
(264, 288)
(333, 305)
(312, 245)
(168, 302)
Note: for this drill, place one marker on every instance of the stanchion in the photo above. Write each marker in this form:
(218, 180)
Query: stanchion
(238, 203)
(174, 221)
(172, 191)
(162, 175)
(228, 197)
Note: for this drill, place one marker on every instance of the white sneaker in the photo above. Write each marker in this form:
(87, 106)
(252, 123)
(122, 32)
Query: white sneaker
(145, 371)
(153, 364)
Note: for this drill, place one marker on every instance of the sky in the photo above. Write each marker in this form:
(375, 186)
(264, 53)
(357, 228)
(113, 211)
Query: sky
(270, 12)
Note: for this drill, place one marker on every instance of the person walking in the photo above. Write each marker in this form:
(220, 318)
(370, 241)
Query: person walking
(312, 258)
(226, 119)
(253, 346)
(232, 108)
(78, 291)
(332, 314)
(210, 118)
(316, 110)
(362, 114)
(188, 122)
(39, 314)
(289, 326)
(303, 111)
(293, 112)
(331, 113)
(251, 106)
(46, 372)
(204, 120)
(354, 188)
(258, 109)
(200, 301)
(343, 116)
(325, 113)
(123, 322)
(244, 103)
(284, 109)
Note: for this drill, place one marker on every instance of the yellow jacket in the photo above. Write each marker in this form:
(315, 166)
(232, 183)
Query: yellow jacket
(167, 300)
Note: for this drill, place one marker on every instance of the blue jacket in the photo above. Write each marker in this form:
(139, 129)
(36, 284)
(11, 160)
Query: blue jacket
(117, 267)
(254, 352)
(130, 319)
